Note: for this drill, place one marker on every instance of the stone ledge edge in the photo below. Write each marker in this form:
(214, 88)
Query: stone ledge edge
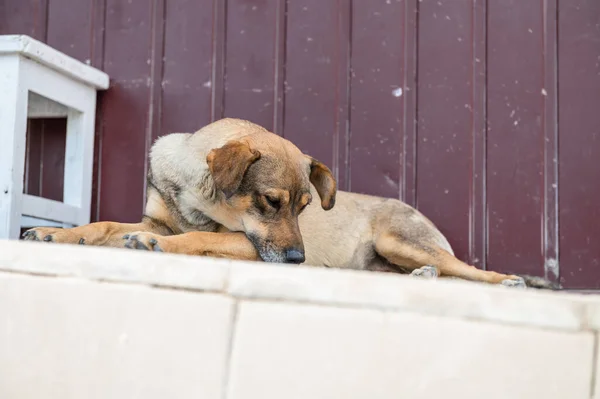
(305, 284)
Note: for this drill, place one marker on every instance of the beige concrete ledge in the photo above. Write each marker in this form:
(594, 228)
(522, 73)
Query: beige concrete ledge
(79, 322)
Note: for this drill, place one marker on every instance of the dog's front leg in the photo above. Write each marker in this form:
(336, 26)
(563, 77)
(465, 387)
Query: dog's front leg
(218, 245)
(109, 234)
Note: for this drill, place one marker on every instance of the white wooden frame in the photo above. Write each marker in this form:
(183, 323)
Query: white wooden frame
(38, 81)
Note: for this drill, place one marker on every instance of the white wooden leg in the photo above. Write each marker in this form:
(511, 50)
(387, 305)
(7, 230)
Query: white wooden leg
(79, 155)
(13, 124)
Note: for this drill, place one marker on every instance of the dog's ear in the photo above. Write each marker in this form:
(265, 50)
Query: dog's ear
(323, 180)
(228, 165)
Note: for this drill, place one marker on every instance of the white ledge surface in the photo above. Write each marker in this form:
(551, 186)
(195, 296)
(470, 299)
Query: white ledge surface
(48, 56)
(305, 284)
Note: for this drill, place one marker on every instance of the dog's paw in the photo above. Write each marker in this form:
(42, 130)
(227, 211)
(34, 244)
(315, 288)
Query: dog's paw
(52, 234)
(540, 283)
(425, 272)
(514, 282)
(145, 241)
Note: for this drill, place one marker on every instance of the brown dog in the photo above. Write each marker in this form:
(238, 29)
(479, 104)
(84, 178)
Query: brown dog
(235, 190)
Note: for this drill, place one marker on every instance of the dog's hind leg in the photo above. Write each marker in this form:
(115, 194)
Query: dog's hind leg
(416, 256)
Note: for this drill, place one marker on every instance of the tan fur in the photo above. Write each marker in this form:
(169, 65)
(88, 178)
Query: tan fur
(209, 192)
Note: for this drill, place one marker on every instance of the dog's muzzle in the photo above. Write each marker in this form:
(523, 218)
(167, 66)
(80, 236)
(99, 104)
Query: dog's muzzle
(271, 255)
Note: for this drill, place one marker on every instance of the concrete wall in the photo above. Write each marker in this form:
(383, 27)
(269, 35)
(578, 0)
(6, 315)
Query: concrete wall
(82, 322)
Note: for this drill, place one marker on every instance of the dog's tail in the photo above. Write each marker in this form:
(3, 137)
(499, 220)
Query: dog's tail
(539, 282)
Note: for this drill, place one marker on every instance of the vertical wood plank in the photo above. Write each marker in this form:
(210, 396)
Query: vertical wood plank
(316, 91)
(127, 58)
(279, 67)
(515, 147)
(408, 159)
(45, 158)
(579, 143)
(343, 126)
(33, 157)
(97, 30)
(219, 39)
(550, 243)
(477, 199)
(445, 112)
(24, 17)
(157, 54)
(52, 163)
(252, 60)
(380, 85)
(187, 82)
(69, 27)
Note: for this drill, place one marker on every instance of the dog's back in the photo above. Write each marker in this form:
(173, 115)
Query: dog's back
(344, 236)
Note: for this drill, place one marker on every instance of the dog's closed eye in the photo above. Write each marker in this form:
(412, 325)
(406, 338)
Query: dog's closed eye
(273, 202)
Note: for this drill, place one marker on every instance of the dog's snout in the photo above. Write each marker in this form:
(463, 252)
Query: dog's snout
(294, 256)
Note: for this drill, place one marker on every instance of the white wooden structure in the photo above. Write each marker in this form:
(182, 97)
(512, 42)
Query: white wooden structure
(37, 81)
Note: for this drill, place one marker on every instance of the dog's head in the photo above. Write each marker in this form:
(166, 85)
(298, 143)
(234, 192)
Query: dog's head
(265, 185)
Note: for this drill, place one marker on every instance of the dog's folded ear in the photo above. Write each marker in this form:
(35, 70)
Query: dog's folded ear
(323, 180)
(228, 165)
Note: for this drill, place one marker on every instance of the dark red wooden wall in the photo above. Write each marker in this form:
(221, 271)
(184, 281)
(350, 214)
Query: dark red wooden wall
(485, 114)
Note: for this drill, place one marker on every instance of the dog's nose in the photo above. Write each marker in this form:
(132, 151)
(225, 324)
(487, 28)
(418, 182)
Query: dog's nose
(294, 256)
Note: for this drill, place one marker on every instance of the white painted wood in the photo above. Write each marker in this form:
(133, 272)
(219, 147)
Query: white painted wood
(13, 122)
(43, 208)
(54, 86)
(42, 107)
(79, 155)
(53, 59)
(39, 82)
(28, 222)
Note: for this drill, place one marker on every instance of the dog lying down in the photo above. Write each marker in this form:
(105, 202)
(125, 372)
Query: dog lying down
(235, 190)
